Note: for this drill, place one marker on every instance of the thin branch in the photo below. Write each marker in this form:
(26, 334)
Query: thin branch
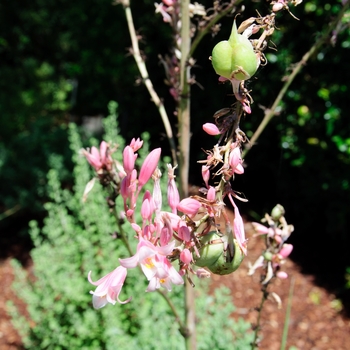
(271, 112)
(146, 79)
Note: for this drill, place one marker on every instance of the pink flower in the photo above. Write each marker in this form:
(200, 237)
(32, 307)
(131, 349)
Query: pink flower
(238, 228)
(282, 275)
(211, 129)
(165, 275)
(149, 166)
(202, 273)
(211, 194)
(129, 158)
(285, 250)
(235, 161)
(154, 264)
(173, 193)
(184, 233)
(136, 144)
(206, 174)
(186, 256)
(189, 206)
(99, 159)
(108, 288)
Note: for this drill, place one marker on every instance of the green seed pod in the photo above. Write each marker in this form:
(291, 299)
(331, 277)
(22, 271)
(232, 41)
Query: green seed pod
(211, 249)
(226, 264)
(235, 57)
(214, 254)
(277, 212)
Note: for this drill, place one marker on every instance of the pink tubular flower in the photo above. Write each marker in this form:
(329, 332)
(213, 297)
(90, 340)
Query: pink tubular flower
(129, 158)
(108, 288)
(136, 144)
(211, 129)
(149, 166)
(206, 174)
(189, 206)
(173, 193)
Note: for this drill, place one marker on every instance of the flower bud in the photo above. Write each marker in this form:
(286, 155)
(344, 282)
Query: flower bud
(235, 58)
(277, 212)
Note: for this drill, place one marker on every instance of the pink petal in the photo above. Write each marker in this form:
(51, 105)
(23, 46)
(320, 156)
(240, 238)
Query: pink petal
(149, 166)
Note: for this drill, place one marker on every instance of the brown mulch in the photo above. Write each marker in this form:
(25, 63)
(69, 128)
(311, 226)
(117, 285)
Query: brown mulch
(315, 322)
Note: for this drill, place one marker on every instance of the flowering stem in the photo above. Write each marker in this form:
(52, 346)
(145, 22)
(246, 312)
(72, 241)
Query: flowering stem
(265, 294)
(146, 79)
(182, 326)
(271, 112)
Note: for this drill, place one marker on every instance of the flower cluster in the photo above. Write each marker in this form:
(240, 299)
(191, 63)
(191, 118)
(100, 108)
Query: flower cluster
(276, 250)
(183, 234)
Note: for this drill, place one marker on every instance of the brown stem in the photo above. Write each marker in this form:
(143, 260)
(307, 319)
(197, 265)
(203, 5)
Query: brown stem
(146, 79)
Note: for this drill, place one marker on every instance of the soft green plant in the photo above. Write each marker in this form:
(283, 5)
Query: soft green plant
(77, 237)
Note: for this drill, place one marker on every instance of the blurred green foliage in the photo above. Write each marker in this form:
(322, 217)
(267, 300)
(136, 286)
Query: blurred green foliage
(77, 237)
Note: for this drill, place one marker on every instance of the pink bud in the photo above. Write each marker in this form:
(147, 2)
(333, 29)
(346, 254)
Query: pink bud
(146, 212)
(186, 256)
(285, 250)
(260, 229)
(169, 2)
(211, 129)
(235, 161)
(184, 233)
(124, 187)
(148, 166)
(136, 227)
(206, 174)
(173, 193)
(282, 275)
(165, 236)
(202, 273)
(128, 159)
(278, 6)
(211, 194)
(103, 151)
(189, 206)
(93, 157)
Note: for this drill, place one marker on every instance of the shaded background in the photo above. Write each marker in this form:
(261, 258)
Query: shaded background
(62, 61)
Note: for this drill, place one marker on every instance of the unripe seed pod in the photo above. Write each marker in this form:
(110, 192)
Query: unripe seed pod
(211, 249)
(277, 212)
(215, 254)
(226, 265)
(235, 57)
